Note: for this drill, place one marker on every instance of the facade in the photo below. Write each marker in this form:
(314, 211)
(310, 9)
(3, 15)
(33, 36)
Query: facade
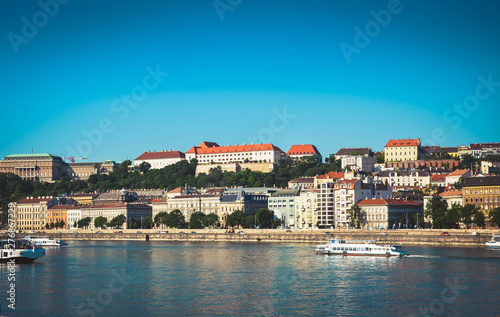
(452, 197)
(415, 178)
(361, 151)
(282, 202)
(438, 180)
(83, 198)
(189, 204)
(402, 150)
(350, 191)
(358, 163)
(328, 178)
(108, 166)
(83, 170)
(110, 211)
(450, 164)
(326, 205)
(212, 153)
(159, 160)
(306, 205)
(74, 214)
(301, 183)
(115, 197)
(297, 152)
(376, 214)
(483, 192)
(56, 214)
(158, 205)
(31, 213)
(476, 150)
(490, 167)
(454, 176)
(42, 167)
(490, 149)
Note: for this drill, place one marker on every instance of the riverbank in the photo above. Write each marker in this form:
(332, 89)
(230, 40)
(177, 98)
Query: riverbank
(456, 237)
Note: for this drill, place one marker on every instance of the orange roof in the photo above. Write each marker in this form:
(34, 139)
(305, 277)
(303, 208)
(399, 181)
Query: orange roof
(159, 200)
(208, 144)
(334, 175)
(105, 206)
(347, 181)
(387, 202)
(160, 155)
(32, 200)
(403, 142)
(175, 191)
(238, 148)
(451, 193)
(304, 149)
(438, 177)
(458, 173)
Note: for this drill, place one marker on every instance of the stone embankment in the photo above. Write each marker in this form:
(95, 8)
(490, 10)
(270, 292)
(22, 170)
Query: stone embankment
(408, 237)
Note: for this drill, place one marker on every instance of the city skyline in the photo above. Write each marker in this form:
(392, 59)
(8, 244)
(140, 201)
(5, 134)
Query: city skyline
(114, 80)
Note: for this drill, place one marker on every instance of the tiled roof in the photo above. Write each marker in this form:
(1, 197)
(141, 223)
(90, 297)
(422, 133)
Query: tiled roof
(458, 173)
(302, 180)
(347, 181)
(33, 200)
(387, 202)
(64, 207)
(481, 181)
(175, 191)
(237, 148)
(105, 206)
(403, 142)
(451, 193)
(160, 155)
(303, 149)
(334, 175)
(348, 151)
(159, 200)
(208, 144)
(438, 177)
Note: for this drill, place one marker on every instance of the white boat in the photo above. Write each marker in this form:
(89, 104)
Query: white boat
(45, 242)
(19, 251)
(494, 243)
(359, 248)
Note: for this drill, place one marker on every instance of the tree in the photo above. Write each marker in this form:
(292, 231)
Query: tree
(277, 222)
(479, 219)
(144, 167)
(467, 213)
(436, 209)
(146, 223)
(117, 221)
(452, 217)
(265, 218)
(47, 226)
(175, 219)
(495, 216)
(235, 219)
(85, 222)
(100, 221)
(161, 218)
(52, 225)
(380, 158)
(211, 220)
(355, 213)
(196, 220)
(61, 224)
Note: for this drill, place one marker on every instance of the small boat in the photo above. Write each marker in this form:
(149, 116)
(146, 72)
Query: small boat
(494, 243)
(45, 241)
(19, 251)
(359, 248)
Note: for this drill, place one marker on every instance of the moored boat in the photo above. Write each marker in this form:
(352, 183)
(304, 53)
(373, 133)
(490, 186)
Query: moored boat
(19, 251)
(494, 243)
(45, 241)
(359, 248)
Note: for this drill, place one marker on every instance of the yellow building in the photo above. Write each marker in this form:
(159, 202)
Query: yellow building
(43, 167)
(83, 198)
(402, 150)
(483, 192)
(31, 213)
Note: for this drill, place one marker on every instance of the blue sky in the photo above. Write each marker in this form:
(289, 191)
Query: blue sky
(112, 79)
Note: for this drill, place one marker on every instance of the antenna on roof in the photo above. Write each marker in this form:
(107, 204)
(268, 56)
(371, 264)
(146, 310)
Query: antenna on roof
(31, 149)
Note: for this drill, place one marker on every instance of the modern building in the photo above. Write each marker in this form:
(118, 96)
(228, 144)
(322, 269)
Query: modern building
(490, 149)
(402, 150)
(42, 167)
(31, 212)
(306, 208)
(326, 205)
(348, 192)
(376, 214)
(483, 192)
(159, 160)
(297, 152)
(282, 202)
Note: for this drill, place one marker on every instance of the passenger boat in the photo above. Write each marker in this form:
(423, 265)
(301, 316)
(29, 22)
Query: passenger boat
(45, 242)
(494, 243)
(359, 247)
(20, 251)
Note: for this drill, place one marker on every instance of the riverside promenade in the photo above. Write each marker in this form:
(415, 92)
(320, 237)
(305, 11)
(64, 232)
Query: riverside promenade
(456, 237)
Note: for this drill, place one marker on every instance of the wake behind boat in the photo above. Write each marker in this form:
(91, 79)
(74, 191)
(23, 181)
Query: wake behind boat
(494, 243)
(45, 241)
(20, 251)
(359, 248)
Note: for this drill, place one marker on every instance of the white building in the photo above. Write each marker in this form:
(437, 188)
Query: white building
(454, 176)
(282, 202)
(404, 178)
(385, 213)
(358, 163)
(159, 160)
(212, 153)
(110, 211)
(74, 214)
(350, 191)
(306, 209)
(297, 152)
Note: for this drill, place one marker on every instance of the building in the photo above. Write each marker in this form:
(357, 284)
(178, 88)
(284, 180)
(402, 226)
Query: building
(158, 205)
(402, 150)
(108, 166)
(490, 149)
(330, 177)
(70, 215)
(83, 198)
(83, 170)
(450, 164)
(297, 152)
(361, 151)
(358, 163)
(476, 150)
(414, 178)
(483, 192)
(326, 205)
(31, 212)
(42, 167)
(189, 204)
(452, 197)
(306, 208)
(212, 153)
(438, 180)
(115, 197)
(490, 167)
(74, 214)
(282, 202)
(110, 211)
(348, 192)
(454, 176)
(159, 160)
(382, 213)
(301, 183)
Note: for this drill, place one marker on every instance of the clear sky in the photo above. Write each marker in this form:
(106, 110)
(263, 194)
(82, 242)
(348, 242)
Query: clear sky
(112, 79)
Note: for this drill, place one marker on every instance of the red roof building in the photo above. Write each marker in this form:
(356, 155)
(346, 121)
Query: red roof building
(402, 150)
(212, 153)
(299, 151)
